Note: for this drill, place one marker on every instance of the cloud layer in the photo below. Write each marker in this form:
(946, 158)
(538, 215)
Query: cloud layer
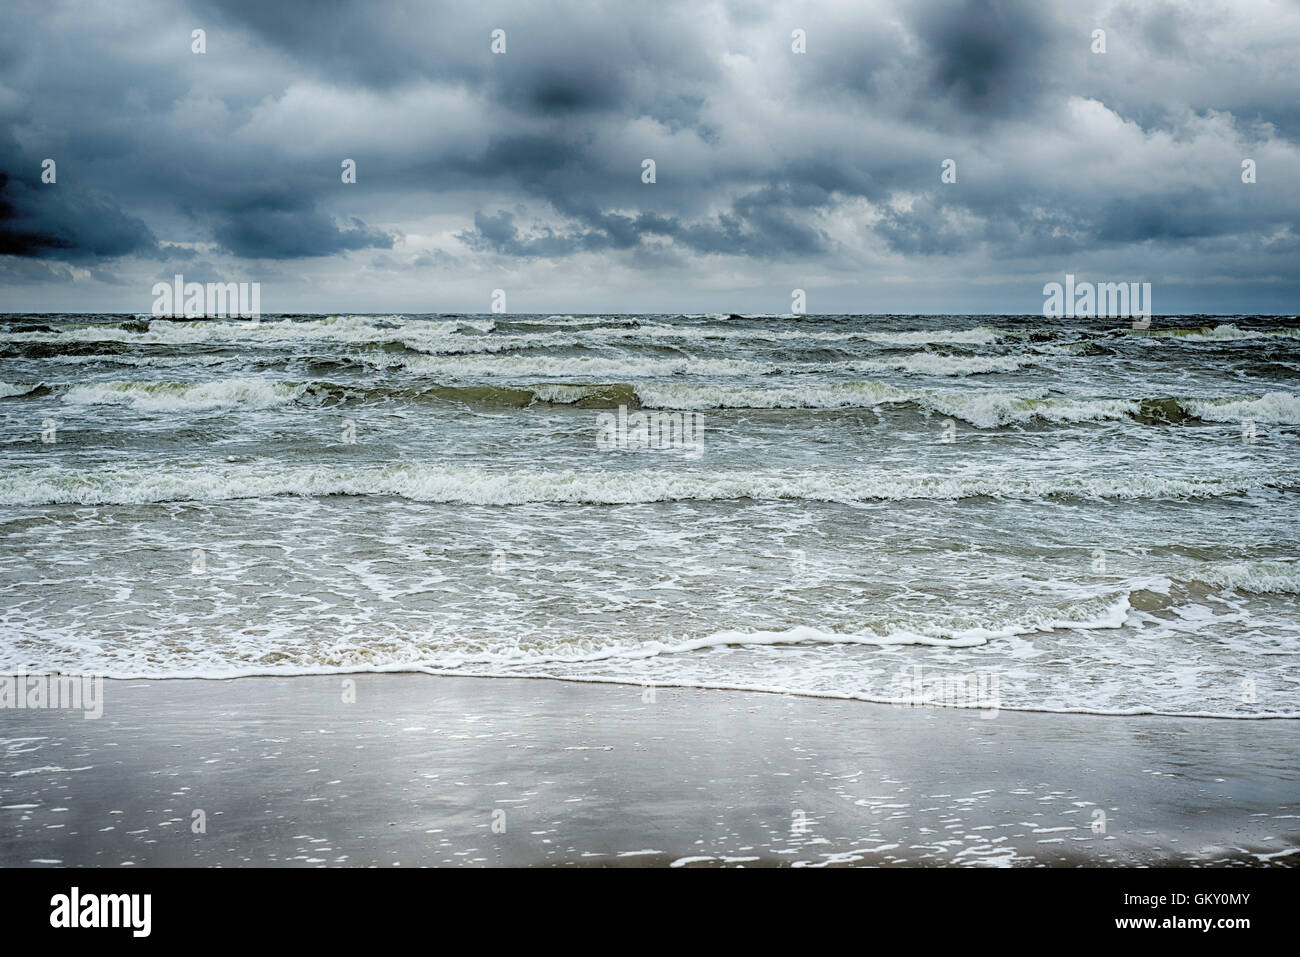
(774, 169)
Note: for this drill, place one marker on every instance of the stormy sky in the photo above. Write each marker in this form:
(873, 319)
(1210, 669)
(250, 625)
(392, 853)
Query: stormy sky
(775, 170)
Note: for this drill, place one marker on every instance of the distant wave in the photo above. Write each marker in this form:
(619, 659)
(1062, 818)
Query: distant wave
(472, 363)
(1224, 332)
(937, 364)
(983, 408)
(434, 333)
(920, 363)
(337, 329)
(253, 393)
(986, 409)
(481, 337)
(516, 366)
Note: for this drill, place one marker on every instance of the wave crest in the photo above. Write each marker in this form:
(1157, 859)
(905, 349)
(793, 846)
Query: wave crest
(447, 484)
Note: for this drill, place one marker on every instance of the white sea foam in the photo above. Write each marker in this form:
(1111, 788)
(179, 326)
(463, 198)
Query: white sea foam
(830, 395)
(434, 333)
(1223, 332)
(1260, 577)
(451, 651)
(984, 409)
(712, 336)
(331, 329)
(988, 410)
(148, 362)
(980, 335)
(919, 363)
(566, 320)
(429, 483)
(186, 396)
(930, 363)
(1087, 616)
(576, 366)
(1279, 407)
(562, 394)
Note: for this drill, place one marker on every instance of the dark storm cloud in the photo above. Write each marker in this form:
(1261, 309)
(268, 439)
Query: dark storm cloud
(762, 224)
(264, 233)
(563, 58)
(356, 43)
(758, 224)
(528, 158)
(58, 220)
(942, 63)
(63, 218)
(985, 56)
(500, 234)
(763, 154)
(1018, 225)
(283, 223)
(557, 90)
(1171, 216)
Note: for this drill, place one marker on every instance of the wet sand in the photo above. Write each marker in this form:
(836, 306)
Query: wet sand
(426, 770)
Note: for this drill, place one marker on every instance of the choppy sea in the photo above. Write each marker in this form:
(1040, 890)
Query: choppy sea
(1077, 515)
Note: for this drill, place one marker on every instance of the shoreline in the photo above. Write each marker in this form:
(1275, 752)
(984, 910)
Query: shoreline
(424, 769)
(351, 672)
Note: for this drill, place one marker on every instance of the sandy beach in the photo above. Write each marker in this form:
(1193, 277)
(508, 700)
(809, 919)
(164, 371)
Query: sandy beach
(428, 770)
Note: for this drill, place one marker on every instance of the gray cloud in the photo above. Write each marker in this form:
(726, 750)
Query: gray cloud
(985, 56)
(821, 163)
(60, 220)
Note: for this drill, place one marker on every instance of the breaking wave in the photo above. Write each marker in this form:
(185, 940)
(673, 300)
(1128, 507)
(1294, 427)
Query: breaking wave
(989, 408)
(449, 484)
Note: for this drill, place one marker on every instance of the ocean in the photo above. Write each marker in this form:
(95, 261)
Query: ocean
(998, 512)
